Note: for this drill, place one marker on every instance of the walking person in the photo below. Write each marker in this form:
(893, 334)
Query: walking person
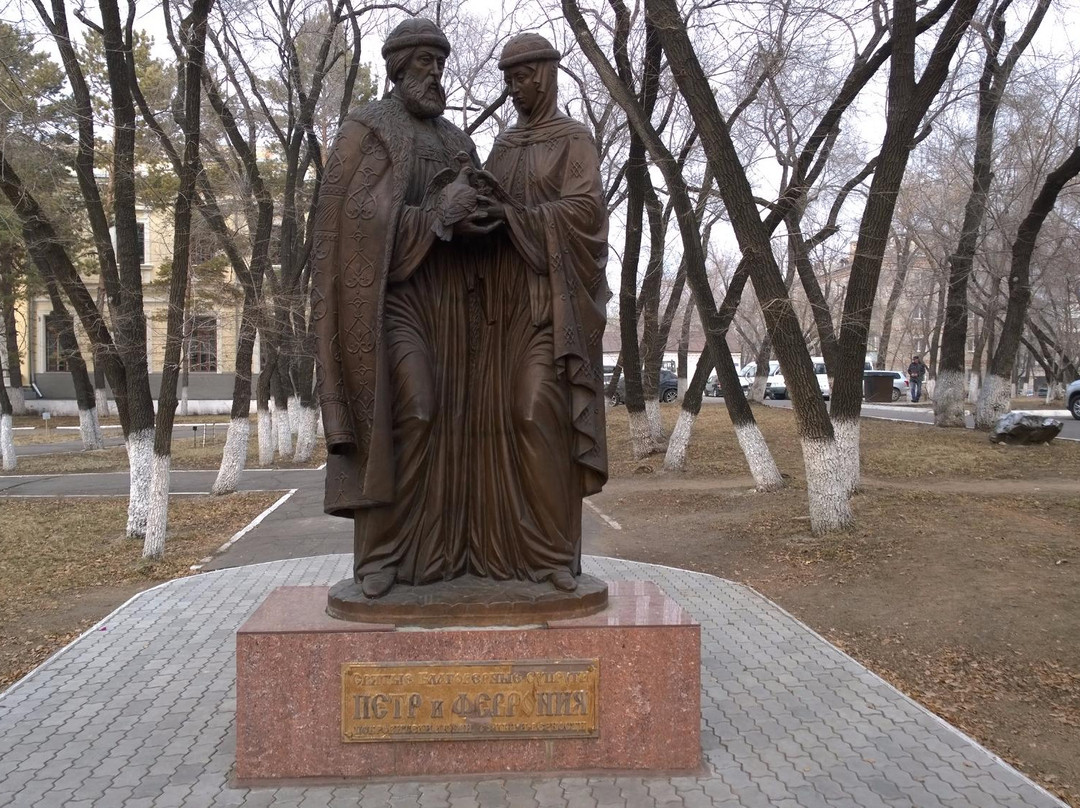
(916, 372)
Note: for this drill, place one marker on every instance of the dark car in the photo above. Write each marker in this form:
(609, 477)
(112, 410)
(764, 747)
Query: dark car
(669, 388)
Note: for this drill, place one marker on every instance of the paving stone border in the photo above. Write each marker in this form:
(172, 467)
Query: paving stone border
(139, 712)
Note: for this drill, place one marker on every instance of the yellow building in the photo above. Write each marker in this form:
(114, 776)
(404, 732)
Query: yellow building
(213, 323)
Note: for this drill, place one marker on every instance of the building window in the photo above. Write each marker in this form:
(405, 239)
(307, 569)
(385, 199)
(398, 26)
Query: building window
(55, 358)
(140, 242)
(203, 343)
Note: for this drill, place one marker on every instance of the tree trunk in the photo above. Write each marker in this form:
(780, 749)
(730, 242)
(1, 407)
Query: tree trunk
(190, 85)
(936, 329)
(763, 358)
(903, 264)
(264, 418)
(7, 436)
(684, 349)
(679, 443)
(307, 417)
(129, 315)
(282, 426)
(89, 427)
(234, 457)
(11, 340)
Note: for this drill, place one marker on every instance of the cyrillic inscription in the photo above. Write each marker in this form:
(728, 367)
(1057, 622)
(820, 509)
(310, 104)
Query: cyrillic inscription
(439, 701)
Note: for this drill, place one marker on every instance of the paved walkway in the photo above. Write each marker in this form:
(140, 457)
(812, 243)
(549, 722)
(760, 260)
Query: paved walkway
(139, 712)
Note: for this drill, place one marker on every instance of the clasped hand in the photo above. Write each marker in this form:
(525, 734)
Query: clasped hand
(489, 213)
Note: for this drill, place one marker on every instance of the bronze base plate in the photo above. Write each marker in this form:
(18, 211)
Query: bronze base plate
(468, 601)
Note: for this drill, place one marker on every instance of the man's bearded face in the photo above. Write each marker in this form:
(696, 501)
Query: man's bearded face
(420, 84)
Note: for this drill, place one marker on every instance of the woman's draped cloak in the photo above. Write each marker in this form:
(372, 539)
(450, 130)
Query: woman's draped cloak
(390, 305)
(537, 410)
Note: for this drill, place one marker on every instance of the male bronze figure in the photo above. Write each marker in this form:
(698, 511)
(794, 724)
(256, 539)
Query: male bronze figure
(390, 307)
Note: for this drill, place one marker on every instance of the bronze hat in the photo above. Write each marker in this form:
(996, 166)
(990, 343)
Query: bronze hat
(413, 33)
(525, 48)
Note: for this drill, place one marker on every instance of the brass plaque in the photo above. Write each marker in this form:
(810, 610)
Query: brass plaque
(449, 701)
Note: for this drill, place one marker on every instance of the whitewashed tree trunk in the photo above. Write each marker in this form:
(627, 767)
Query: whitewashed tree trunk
(90, 430)
(973, 388)
(756, 393)
(679, 442)
(656, 424)
(7, 443)
(267, 441)
(826, 488)
(949, 399)
(18, 400)
(157, 521)
(995, 399)
(283, 430)
(101, 399)
(184, 400)
(319, 431)
(683, 384)
(848, 455)
(641, 443)
(294, 414)
(140, 452)
(758, 457)
(234, 458)
(1049, 393)
(305, 434)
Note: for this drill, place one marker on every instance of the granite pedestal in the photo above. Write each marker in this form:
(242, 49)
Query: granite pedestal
(292, 703)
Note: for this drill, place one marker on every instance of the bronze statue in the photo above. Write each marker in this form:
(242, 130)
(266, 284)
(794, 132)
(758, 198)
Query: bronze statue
(536, 397)
(390, 306)
(459, 316)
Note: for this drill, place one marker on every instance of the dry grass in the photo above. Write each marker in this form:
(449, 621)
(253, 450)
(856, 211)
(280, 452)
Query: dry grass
(187, 453)
(64, 563)
(890, 450)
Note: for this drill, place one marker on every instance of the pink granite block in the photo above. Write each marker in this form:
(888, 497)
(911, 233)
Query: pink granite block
(289, 658)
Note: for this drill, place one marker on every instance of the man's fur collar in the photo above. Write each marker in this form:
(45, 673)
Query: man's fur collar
(394, 126)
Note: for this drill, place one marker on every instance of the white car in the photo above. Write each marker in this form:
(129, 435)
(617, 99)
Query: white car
(776, 387)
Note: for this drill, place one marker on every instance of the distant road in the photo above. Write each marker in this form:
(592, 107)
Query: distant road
(921, 415)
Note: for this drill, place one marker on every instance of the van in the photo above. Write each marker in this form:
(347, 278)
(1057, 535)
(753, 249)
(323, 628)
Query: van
(748, 372)
(776, 387)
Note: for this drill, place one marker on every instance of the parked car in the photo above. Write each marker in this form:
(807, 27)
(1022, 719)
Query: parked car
(901, 388)
(712, 387)
(1072, 396)
(747, 374)
(776, 387)
(669, 388)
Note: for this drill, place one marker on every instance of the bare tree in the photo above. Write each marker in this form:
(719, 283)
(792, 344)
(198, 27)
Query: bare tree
(193, 36)
(994, 398)
(758, 456)
(949, 386)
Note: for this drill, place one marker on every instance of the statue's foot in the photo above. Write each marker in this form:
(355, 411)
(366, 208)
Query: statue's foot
(563, 580)
(377, 584)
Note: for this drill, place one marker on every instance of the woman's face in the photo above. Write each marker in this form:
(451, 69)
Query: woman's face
(522, 84)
